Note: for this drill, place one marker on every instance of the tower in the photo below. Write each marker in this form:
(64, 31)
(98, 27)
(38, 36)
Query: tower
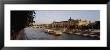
(70, 19)
(80, 19)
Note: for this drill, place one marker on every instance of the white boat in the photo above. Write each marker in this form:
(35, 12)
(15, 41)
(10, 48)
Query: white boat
(85, 34)
(77, 33)
(58, 33)
(51, 31)
(93, 35)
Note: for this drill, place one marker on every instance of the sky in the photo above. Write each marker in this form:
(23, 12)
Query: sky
(48, 16)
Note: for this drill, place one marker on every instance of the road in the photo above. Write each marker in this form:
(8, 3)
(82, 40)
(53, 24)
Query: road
(39, 34)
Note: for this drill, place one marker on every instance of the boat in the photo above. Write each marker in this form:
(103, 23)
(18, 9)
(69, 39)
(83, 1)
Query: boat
(51, 31)
(58, 33)
(65, 30)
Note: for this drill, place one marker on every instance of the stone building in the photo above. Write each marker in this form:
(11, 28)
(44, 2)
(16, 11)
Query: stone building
(70, 23)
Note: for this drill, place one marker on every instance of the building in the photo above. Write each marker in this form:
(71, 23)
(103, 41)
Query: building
(84, 23)
(70, 23)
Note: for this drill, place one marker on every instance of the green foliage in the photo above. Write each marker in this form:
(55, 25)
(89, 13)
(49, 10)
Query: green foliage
(21, 19)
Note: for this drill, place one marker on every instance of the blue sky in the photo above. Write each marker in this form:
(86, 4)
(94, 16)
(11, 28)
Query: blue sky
(48, 16)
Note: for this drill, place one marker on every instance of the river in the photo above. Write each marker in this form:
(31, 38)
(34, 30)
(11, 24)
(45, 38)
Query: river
(39, 34)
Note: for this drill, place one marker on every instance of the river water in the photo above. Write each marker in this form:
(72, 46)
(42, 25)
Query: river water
(39, 34)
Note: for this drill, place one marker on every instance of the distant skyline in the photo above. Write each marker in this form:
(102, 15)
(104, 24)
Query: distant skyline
(48, 16)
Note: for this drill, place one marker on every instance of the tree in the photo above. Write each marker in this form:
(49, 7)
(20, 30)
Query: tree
(20, 19)
(97, 25)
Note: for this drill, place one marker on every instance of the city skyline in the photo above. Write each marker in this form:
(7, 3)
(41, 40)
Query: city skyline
(48, 16)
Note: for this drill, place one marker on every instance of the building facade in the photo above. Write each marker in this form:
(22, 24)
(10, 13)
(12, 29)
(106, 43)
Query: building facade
(71, 23)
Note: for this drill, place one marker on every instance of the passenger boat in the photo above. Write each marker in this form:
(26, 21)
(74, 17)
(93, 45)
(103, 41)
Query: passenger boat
(51, 31)
(58, 33)
(65, 30)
